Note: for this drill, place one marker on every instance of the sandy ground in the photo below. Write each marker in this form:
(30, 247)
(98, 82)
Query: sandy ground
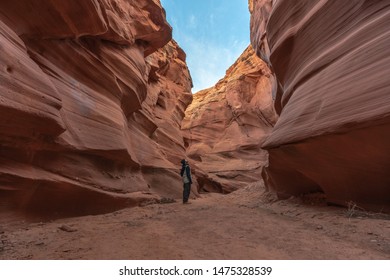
(247, 224)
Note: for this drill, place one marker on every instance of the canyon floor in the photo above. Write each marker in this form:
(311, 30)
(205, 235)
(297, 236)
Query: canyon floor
(247, 224)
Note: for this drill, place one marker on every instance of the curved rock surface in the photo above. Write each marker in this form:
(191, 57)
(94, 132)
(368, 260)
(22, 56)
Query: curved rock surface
(331, 60)
(224, 125)
(91, 105)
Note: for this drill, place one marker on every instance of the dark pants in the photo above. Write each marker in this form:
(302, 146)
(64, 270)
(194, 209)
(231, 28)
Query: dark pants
(186, 191)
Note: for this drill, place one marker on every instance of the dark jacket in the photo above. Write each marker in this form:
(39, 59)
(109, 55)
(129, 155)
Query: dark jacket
(186, 168)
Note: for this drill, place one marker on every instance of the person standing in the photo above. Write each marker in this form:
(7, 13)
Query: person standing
(185, 173)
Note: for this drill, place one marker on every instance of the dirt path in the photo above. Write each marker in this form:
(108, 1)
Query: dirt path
(242, 225)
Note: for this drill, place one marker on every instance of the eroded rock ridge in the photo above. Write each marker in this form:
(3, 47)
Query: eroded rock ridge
(224, 125)
(92, 97)
(331, 60)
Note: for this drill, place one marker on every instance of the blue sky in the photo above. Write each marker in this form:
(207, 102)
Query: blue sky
(213, 33)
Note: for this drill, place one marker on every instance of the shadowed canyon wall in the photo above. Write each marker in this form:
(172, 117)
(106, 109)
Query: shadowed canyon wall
(224, 125)
(92, 97)
(331, 60)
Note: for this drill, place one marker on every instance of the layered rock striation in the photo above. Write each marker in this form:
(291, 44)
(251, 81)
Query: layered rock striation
(92, 97)
(224, 126)
(331, 60)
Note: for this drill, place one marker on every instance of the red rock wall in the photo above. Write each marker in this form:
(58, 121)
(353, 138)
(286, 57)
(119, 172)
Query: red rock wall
(331, 60)
(224, 126)
(91, 104)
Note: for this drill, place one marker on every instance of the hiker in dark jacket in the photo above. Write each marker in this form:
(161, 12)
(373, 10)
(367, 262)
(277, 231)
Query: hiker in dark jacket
(185, 173)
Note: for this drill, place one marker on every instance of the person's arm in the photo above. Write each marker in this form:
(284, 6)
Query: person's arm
(188, 169)
(182, 171)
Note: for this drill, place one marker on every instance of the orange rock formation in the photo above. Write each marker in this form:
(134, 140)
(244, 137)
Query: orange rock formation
(224, 126)
(331, 60)
(91, 105)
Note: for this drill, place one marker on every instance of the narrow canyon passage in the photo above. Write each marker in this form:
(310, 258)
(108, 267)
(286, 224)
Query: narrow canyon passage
(97, 111)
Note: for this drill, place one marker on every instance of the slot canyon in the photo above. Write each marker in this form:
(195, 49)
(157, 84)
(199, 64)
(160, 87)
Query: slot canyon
(289, 151)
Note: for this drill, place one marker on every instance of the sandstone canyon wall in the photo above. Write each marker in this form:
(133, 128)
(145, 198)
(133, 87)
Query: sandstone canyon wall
(224, 125)
(92, 97)
(331, 60)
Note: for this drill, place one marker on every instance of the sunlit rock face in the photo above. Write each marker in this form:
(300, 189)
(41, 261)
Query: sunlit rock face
(224, 126)
(92, 97)
(331, 60)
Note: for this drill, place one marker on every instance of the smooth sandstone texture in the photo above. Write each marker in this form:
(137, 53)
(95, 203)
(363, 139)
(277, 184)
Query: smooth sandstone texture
(224, 126)
(331, 60)
(120, 21)
(91, 105)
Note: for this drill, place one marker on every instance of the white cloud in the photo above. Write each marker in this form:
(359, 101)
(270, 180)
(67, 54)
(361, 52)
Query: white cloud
(211, 19)
(192, 22)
